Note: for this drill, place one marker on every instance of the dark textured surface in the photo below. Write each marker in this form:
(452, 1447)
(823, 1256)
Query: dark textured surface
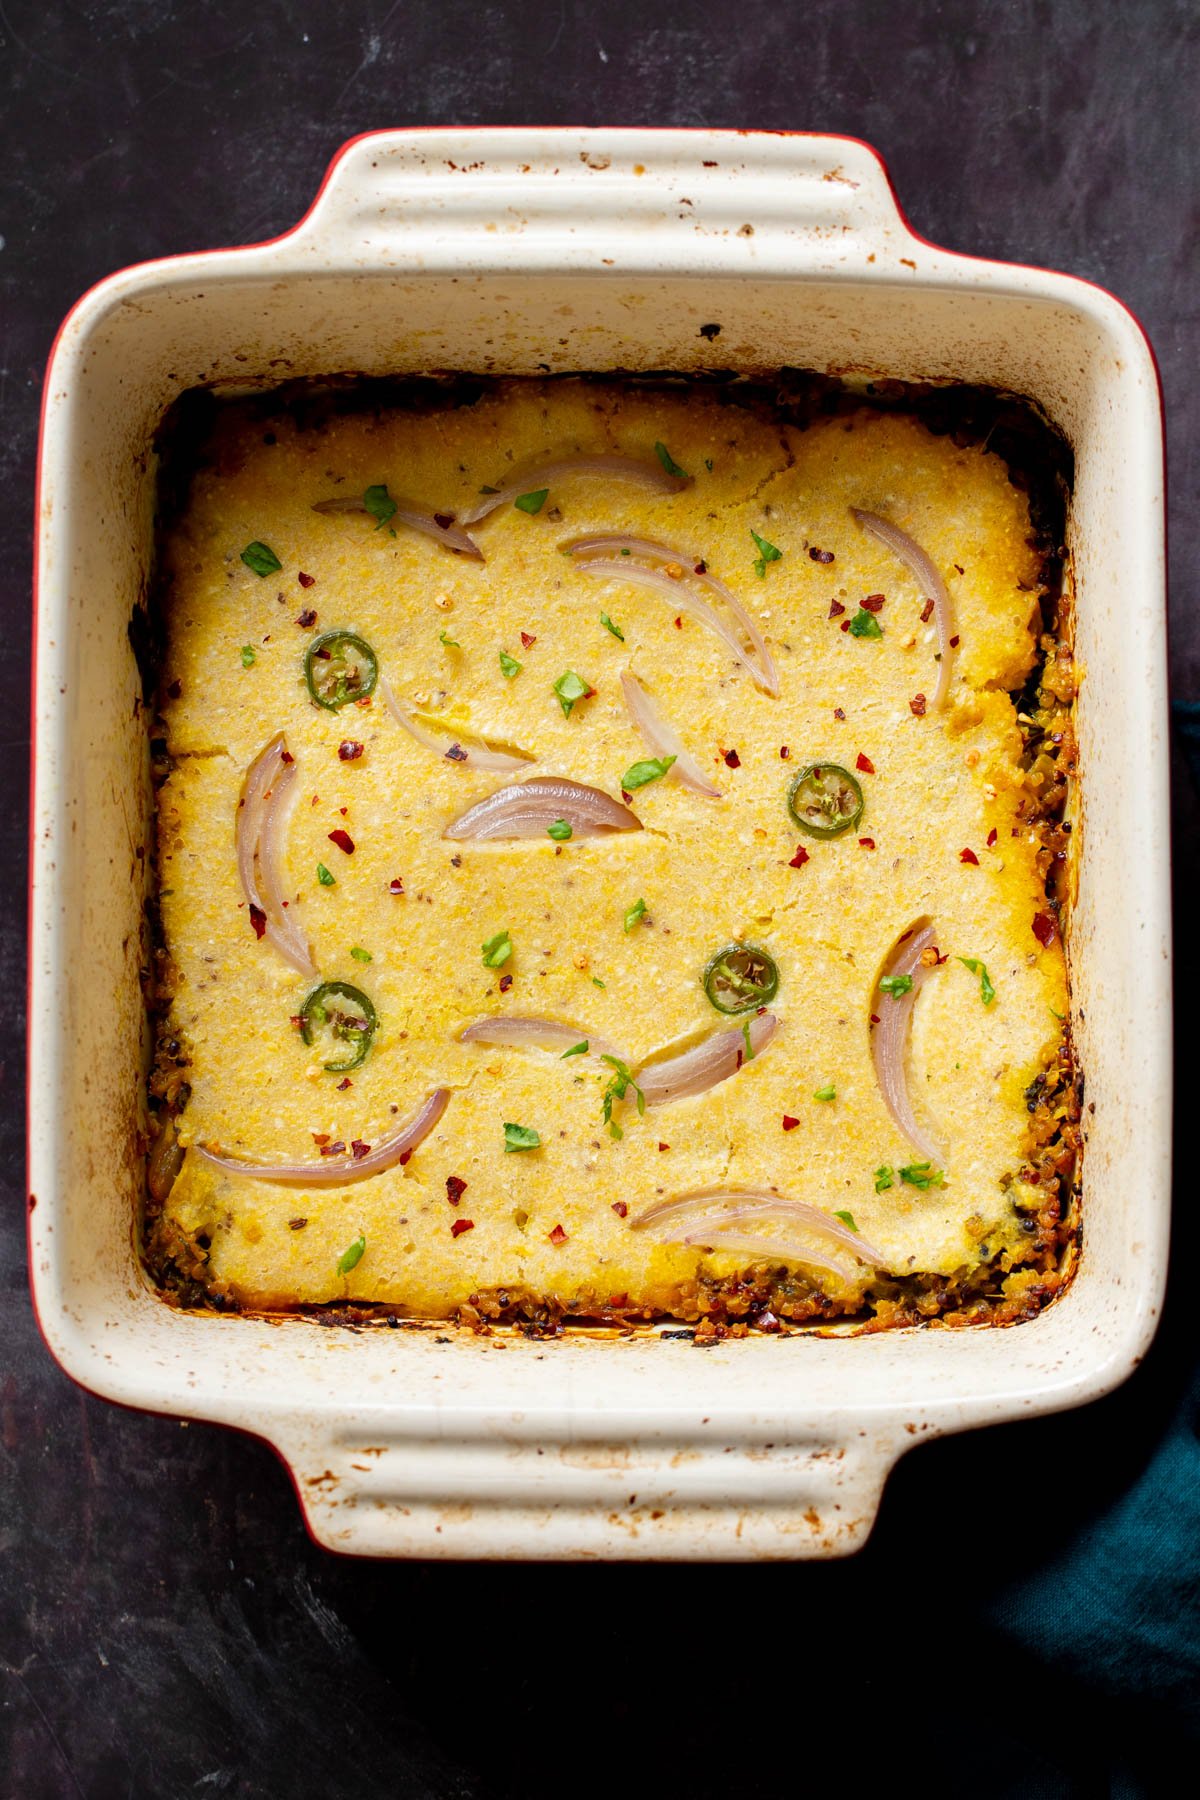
(166, 1628)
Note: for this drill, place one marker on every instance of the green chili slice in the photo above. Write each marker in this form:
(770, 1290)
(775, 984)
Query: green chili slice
(825, 800)
(337, 1014)
(739, 978)
(340, 667)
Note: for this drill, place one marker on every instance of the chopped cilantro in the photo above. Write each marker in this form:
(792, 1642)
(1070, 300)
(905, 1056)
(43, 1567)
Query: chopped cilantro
(521, 1137)
(360, 955)
(767, 553)
(532, 503)
(248, 656)
(847, 1220)
(884, 1178)
(621, 1081)
(609, 626)
(575, 1050)
(922, 1175)
(895, 985)
(864, 624)
(828, 1092)
(639, 774)
(509, 666)
(668, 461)
(352, 1255)
(324, 876)
(450, 643)
(596, 981)
(261, 558)
(560, 831)
(497, 950)
(379, 504)
(570, 687)
(637, 911)
(987, 992)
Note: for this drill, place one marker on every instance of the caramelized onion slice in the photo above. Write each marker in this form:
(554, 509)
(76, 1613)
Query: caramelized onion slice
(340, 1171)
(761, 1223)
(451, 536)
(889, 1039)
(525, 809)
(649, 475)
(477, 753)
(662, 738)
(695, 1071)
(261, 823)
(541, 1034)
(644, 562)
(932, 587)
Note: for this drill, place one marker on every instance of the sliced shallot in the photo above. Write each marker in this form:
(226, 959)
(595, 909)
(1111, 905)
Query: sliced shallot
(474, 751)
(645, 563)
(889, 1039)
(451, 536)
(662, 738)
(650, 475)
(932, 587)
(339, 1171)
(542, 1034)
(525, 809)
(696, 1070)
(261, 822)
(761, 1223)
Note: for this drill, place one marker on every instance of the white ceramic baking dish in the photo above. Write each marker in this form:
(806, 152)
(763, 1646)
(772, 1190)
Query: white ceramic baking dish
(525, 251)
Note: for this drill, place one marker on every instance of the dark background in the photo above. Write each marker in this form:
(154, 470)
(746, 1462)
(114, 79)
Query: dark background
(166, 1627)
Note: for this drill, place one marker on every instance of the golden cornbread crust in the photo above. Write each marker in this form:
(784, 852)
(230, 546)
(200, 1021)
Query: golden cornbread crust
(966, 823)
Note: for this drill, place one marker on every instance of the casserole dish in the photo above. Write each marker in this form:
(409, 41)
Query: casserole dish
(522, 252)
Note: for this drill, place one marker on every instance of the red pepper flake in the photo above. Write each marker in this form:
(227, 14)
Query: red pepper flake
(1043, 928)
(456, 1187)
(678, 622)
(506, 982)
(307, 619)
(320, 1138)
(917, 705)
(789, 1124)
(618, 1299)
(456, 753)
(836, 609)
(954, 643)
(867, 843)
(620, 1208)
(528, 641)
(801, 857)
(838, 713)
(349, 750)
(323, 655)
(968, 856)
(358, 1149)
(334, 1149)
(297, 1020)
(821, 556)
(702, 567)
(864, 764)
(344, 1083)
(845, 625)
(258, 919)
(306, 580)
(445, 520)
(405, 1156)
(732, 759)
(927, 612)
(991, 837)
(286, 756)
(175, 689)
(874, 602)
(558, 1235)
(784, 752)
(395, 885)
(461, 1225)
(664, 1146)
(343, 840)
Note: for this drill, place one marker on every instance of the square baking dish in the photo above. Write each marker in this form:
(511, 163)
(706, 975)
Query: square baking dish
(530, 251)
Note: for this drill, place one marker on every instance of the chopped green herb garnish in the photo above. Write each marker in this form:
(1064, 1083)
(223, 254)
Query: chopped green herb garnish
(640, 774)
(895, 985)
(509, 666)
(622, 1080)
(668, 461)
(575, 1050)
(532, 503)
(609, 626)
(746, 1036)
(324, 876)
(521, 1137)
(864, 624)
(571, 687)
(352, 1255)
(847, 1220)
(379, 504)
(767, 553)
(497, 950)
(637, 911)
(248, 656)
(987, 992)
(360, 955)
(261, 558)
(828, 1092)
(560, 831)
(596, 981)
(884, 1178)
(615, 1130)
(923, 1175)
(449, 642)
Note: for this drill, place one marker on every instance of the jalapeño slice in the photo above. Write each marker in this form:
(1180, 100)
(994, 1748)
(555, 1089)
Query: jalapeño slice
(825, 800)
(739, 978)
(337, 1014)
(340, 667)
